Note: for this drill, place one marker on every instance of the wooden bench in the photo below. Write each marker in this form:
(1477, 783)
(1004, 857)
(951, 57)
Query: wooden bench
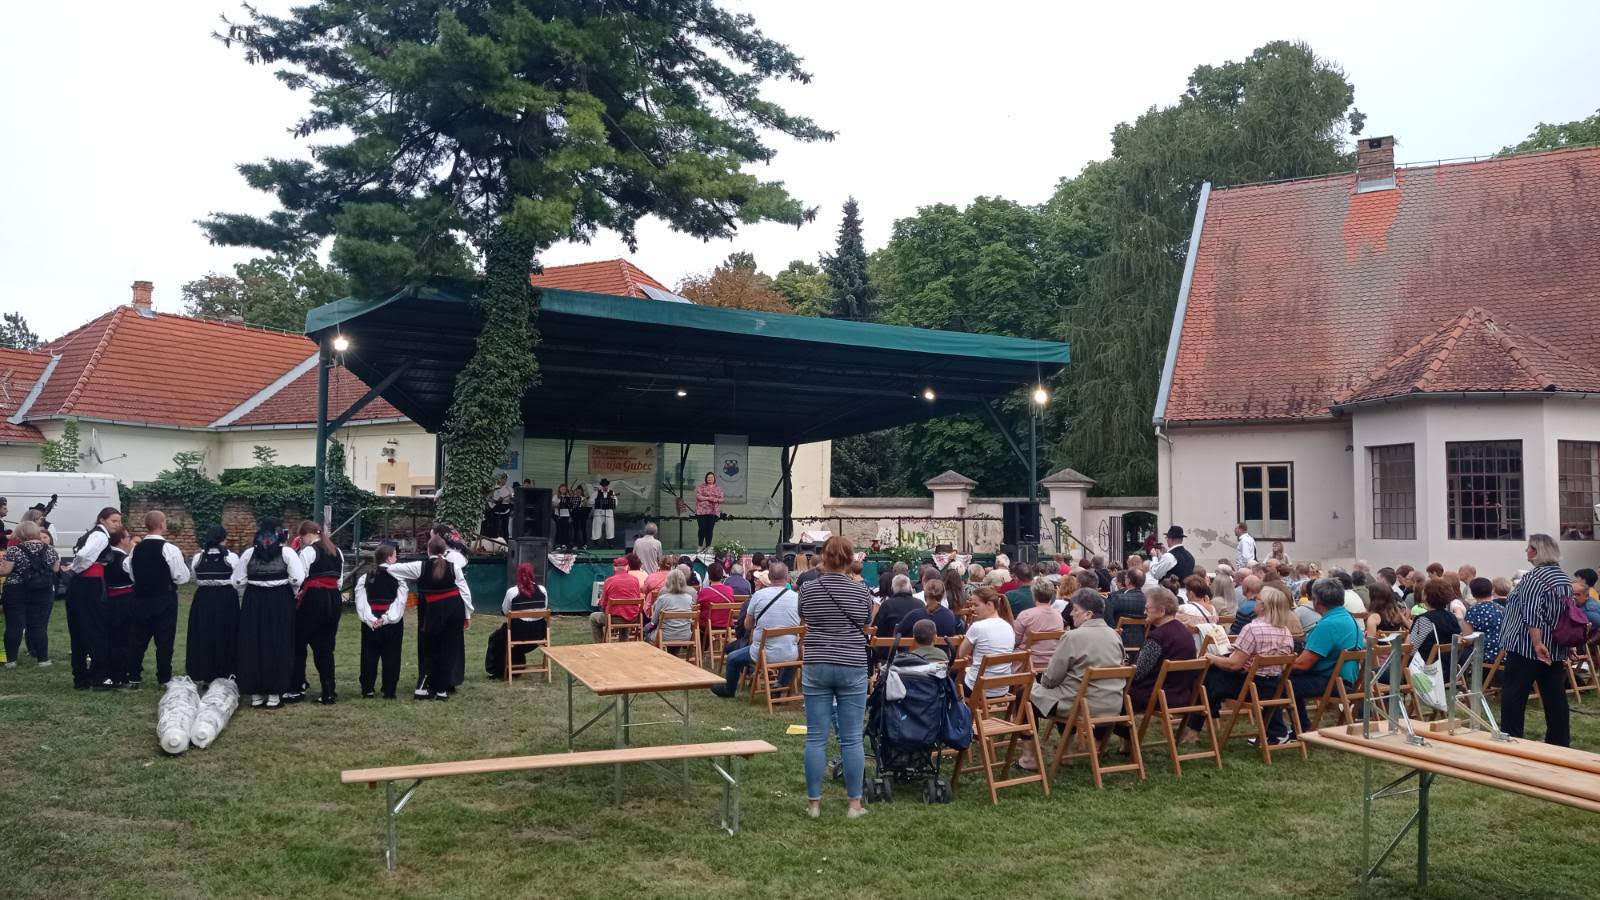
(396, 798)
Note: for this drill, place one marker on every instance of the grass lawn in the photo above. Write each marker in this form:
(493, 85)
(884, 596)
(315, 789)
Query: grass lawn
(90, 807)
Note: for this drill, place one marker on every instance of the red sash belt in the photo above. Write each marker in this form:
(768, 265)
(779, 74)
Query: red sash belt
(119, 591)
(430, 596)
(316, 581)
(95, 571)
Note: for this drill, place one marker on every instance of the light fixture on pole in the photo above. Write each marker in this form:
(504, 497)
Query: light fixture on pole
(682, 392)
(340, 343)
(928, 394)
(1040, 395)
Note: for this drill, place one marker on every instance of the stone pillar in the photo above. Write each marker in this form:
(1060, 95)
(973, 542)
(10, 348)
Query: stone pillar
(951, 491)
(1068, 488)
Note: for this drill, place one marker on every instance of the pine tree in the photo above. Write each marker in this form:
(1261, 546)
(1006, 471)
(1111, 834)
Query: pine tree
(15, 333)
(850, 288)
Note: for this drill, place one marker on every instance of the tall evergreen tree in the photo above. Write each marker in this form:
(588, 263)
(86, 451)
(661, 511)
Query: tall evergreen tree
(850, 287)
(15, 333)
(493, 130)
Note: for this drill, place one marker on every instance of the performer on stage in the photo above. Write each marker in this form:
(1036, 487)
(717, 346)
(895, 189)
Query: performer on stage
(525, 594)
(604, 524)
(707, 507)
(581, 513)
(118, 609)
(317, 608)
(157, 568)
(446, 605)
(212, 639)
(566, 503)
(269, 572)
(88, 616)
(381, 605)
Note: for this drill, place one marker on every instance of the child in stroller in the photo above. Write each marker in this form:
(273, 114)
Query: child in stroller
(908, 719)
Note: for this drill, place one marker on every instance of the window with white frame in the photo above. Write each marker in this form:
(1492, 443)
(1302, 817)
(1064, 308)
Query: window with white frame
(1483, 487)
(1579, 475)
(1266, 499)
(1394, 492)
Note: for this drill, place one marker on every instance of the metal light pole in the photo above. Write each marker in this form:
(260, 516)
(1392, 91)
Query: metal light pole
(320, 483)
(1039, 398)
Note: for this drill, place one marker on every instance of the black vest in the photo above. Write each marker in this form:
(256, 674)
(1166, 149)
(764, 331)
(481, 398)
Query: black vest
(523, 601)
(444, 584)
(213, 566)
(105, 555)
(116, 576)
(382, 589)
(266, 564)
(605, 498)
(151, 576)
(325, 563)
(1185, 566)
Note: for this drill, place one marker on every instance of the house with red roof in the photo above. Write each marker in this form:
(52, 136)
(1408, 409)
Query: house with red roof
(1398, 365)
(145, 385)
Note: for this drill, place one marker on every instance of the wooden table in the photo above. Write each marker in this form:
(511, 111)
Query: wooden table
(620, 670)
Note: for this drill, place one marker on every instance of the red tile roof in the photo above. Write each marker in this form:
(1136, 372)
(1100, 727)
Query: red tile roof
(176, 370)
(609, 276)
(19, 369)
(297, 401)
(1468, 276)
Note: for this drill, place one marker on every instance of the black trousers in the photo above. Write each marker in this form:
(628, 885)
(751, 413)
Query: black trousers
(563, 531)
(442, 644)
(1517, 679)
(707, 526)
(28, 615)
(316, 626)
(382, 645)
(580, 527)
(89, 631)
(145, 618)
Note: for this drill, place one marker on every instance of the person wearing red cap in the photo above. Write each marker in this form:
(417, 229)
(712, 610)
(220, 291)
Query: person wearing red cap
(620, 598)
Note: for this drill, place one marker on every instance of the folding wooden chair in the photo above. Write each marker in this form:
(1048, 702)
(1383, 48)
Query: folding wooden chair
(1492, 670)
(1258, 710)
(512, 671)
(1039, 637)
(1199, 703)
(766, 682)
(1337, 697)
(627, 630)
(1080, 721)
(717, 638)
(1123, 623)
(692, 645)
(1576, 657)
(1007, 718)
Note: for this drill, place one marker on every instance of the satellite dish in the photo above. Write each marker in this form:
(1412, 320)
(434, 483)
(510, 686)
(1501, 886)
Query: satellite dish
(97, 449)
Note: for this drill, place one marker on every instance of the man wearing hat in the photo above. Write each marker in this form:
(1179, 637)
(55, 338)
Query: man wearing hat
(604, 521)
(620, 598)
(1177, 560)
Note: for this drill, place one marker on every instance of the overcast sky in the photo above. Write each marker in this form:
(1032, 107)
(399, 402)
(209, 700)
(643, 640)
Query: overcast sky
(124, 120)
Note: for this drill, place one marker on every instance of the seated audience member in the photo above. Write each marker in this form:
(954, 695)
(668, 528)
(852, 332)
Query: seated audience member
(1021, 595)
(674, 596)
(1248, 590)
(924, 575)
(1353, 604)
(1335, 632)
(1165, 638)
(954, 592)
(715, 590)
(654, 581)
(1197, 610)
(885, 590)
(1437, 626)
(736, 581)
(1039, 617)
(1487, 614)
(923, 634)
(772, 607)
(758, 572)
(1384, 612)
(621, 596)
(895, 608)
(1223, 598)
(1305, 610)
(1065, 587)
(945, 622)
(1091, 642)
(1127, 602)
(1583, 588)
(1271, 632)
(988, 634)
(975, 575)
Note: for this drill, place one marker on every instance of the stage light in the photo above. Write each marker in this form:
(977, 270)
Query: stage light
(682, 392)
(1040, 395)
(928, 394)
(341, 343)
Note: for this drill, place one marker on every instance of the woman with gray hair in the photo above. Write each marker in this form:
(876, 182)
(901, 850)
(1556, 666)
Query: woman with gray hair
(1533, 657)
(29, 565)
(675, 596)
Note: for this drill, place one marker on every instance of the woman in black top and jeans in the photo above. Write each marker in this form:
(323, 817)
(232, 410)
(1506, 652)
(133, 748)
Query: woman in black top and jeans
(835, 610)
(29, 567)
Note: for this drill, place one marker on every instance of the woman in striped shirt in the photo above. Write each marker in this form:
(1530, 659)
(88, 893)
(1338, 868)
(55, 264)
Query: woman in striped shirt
(1528, 638)
(835, 609)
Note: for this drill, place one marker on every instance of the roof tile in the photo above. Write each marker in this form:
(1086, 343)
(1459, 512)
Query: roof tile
(617, 277)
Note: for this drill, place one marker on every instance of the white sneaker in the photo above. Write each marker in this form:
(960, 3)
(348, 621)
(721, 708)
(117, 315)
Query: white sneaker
(46, 663)
(11, 665)
(256, 701)
(274, 701)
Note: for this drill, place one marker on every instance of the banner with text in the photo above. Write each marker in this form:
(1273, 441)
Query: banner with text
(733, 461)
(623, 459)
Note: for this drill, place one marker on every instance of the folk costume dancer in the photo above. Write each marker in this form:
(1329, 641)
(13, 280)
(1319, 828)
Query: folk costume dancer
(88, 614)
(270, 573)
(603, 523)
(381, 606)
(119, 607)
(447, 613)
(157, 567)
(213, 636)
(317, 609)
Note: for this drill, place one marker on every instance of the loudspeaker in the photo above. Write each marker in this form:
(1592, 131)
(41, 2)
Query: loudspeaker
(534, 550)
(532, 514)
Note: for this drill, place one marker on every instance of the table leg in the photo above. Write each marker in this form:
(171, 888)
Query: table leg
(620, 705)
(570, 734)
(686, 738)
(1424, 782)
(1366, 817)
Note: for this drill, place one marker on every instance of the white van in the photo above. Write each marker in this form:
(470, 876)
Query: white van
(79, 498)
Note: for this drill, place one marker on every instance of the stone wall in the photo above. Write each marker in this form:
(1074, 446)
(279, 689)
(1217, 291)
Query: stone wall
(238, 517)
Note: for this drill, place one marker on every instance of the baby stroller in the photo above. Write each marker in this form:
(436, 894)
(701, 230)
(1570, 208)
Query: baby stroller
(908, 725)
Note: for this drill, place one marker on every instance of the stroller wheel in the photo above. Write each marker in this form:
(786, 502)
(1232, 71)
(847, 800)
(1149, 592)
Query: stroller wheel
(836, 769)
(943, 792)
(930, 791)
(886, 789)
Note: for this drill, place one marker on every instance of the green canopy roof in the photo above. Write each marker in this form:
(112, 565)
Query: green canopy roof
(612, 367)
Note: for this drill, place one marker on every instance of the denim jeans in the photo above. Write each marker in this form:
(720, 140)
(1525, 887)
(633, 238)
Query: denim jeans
(745, 657)
(823, 684)
(1308, 686)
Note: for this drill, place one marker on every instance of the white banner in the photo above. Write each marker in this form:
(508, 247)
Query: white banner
(732, 463)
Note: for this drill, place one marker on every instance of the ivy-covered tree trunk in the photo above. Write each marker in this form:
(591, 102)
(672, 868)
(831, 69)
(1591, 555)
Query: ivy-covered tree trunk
(488, 392)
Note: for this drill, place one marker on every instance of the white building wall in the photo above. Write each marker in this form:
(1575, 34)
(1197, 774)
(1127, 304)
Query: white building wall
(19, 457)
(365, 463)
(134, 453)
(1199, 485)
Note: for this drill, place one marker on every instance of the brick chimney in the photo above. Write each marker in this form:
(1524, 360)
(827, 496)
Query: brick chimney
(141, 294)
(1374, 164)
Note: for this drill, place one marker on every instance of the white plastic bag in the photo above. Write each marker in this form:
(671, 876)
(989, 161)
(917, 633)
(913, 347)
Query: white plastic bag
(1427, 680)
(216, 708)
(175, 715)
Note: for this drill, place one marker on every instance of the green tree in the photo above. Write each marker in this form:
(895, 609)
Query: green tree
(863, 465)
(61, 454)
(15, 333)
(1283, 112)
(275, 291)
(738, 286)
(1551, 137)
(848, 282)
(501, 129)
(805, 287)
